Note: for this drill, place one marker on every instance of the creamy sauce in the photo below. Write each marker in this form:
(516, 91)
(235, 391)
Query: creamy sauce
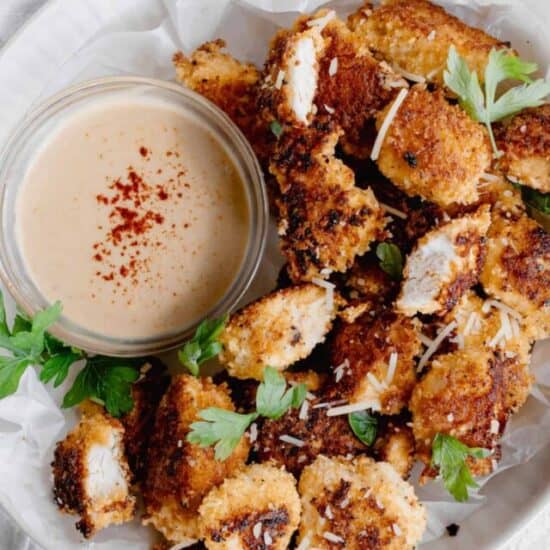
(135, 217)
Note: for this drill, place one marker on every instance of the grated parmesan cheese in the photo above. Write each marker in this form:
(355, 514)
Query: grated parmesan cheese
(306, 541)
(409, 76)
(378, 386)
(396, 529)
(495, 426)
(499, 305)
(387, 123)
(332, 537)
(267, 539)
(392, 366)
(431, 36)
(425, 340)
(329, 110)
(373, 404)
(506, 326)
(185, 544)
(328, 512)
(330, 403)
(253, 435)
(280, 79)
(321, 22)
(257, 530)
(333, 67)
(303, 414)
(432, 348)
(490, 177)
(390, 210)
(292, 440)
(329, 288)
(472, 324)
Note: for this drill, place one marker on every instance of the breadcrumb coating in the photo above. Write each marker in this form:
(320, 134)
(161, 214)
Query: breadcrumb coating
(517, 266)
(257, 508)
(358, 504)
(415, 35)
(91, 474)
(179, 473)
(395, 443)
(525, 142)
(361, 353)
(444, 264)
(434, 149)
(277, 330)
(325, 221)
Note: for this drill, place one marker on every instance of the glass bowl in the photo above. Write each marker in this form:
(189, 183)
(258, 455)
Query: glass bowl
(19, 153)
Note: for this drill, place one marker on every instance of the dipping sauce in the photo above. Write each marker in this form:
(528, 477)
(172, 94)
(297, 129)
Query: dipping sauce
(134, 216)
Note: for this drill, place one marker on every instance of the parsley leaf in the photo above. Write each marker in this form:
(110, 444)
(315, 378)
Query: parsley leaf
(276, 128)
(391, 260)
(273, 398)
(222, 427)
(501, 65)
(203, 346)
(225, 428)
(107, 380)
(364, 425)
(26, 344)
(536, 199)
(449, 455)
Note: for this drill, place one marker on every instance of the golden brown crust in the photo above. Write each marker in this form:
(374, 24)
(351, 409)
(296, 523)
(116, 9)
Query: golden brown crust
(324, 219)
(362, 503)
(179, 473)
(72, 474)
(416, 35)
(395, 444)
(525, 142)
(363, 350)
(434, 149)
(277, 330)
(517, 267)
(257, 508)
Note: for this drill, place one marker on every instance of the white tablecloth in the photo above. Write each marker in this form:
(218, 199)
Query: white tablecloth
(13, 14)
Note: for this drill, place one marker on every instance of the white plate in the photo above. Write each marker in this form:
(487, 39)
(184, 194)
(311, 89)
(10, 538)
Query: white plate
(30, 63)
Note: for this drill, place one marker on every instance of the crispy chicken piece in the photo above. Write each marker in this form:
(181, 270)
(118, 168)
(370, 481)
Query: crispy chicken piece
(91, 474)
(434, 149)
(316, 432)
(324, 219)
(138, 423)
(468, 394)
(517, 267)
(319, 66)
(357, 505)
(179, 473)
(415, 36)
(525, 142)
(257, 508)
(277, 330)
(444, 264)
(232, 86)
(395, 444)
(374, 361)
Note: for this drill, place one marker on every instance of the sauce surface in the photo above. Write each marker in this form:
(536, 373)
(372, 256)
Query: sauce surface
(135, 217)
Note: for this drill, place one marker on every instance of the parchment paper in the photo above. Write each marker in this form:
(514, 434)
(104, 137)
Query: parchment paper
(31, 421)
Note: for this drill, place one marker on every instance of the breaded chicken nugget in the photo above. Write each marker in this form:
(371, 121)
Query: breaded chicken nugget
(468, 394)
(324, 219)
(232, 86)
(374, 361)
(257, 508)
(395, 443)
(301, 435)
(415, 35)
(517, 266)
(444, 264)
(179, 473)
(434, 149)
(319, 66)
(525, 142)
(91, 474)
(357, 505)
(277, 330)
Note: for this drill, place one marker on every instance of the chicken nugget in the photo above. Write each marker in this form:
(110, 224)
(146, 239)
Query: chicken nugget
(325, 221)
(525, 142)
(394, 443)
(374, 361)
(414, 36)
(444, 264)
(356, 505)
(434, 149)
(180, 473)
(277, 330)
(257, 508)
(91, 474)
(517, 267)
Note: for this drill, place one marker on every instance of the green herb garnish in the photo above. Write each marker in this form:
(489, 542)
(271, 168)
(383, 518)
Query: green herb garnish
(364, 425)
(224, 428)
(203, 346)
(449, 456)
(276, 128)
(391, 260)
(483, 106)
